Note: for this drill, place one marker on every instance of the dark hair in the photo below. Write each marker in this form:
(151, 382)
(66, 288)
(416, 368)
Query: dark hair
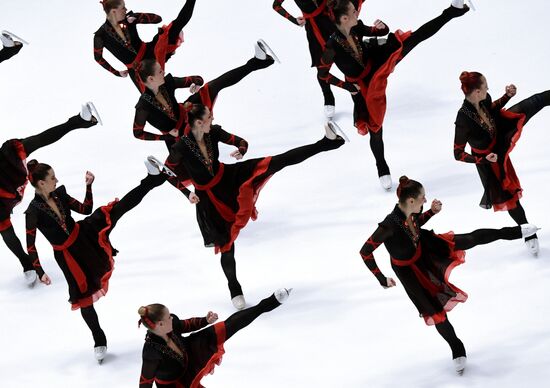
(197, 112)
(407, 188)
(470, 81)
(151, 314)
(337, 9)
(37, 171)
(108, 5)
(146, 68)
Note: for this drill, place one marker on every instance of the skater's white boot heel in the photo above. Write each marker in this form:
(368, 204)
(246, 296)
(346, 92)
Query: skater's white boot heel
(262, 50)
(89, 112)
(460, 364)
(329, 111)
(259, 52)
(152, 169)
(85, 112)
(100, 352)
(528, 230)
(457, 3)
(330, 132)
(385, 182)
(533, 246)
(155, 167)
(238, 302)
(30, 277)
(282, 294)
(6, 40)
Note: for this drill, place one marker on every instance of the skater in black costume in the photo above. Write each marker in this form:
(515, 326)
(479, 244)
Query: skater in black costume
(172, 360)
(367, 67)
(423, 260)
(119, 35)
(82, 249)
(14, 178)
(226, 194)
(319, 27)
(10, 46)
(492, 133)
(159, 107)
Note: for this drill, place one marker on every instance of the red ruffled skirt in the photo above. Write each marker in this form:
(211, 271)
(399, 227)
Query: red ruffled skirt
(425, 276)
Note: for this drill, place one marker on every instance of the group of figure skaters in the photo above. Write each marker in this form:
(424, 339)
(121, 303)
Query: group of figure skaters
(225, 194)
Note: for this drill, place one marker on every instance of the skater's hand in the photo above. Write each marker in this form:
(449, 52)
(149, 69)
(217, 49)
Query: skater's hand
(45, 279)
(492, 157)
(436, 206)
(389, 283)
(131, 19)
(301, 21)
(123, 73)
(174, 132)
(236, 154)
(89, 178)
(511, 90)
(358, 89)
(194, 88)
(211, 317)
(379, 25)
(194, 198)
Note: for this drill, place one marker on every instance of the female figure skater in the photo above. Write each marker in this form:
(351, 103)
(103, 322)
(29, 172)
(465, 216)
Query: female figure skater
(82, 249)
(226, 193)
(14, 178)
(10, 46)
(368, 66)
(172, 360)
(492, 133)
(158, 104)
(423, 260)
(119, 35)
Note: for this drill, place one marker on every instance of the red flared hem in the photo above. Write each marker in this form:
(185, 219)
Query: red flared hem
(103, 240)
(163, 46)
(216, 358)
(248, 195)
(458, 257)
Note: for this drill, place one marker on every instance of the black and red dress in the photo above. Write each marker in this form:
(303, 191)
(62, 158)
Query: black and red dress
(499, 136)
(422, 260)
(131, 50)
(13, 179)
(200, 353)
(82, 249)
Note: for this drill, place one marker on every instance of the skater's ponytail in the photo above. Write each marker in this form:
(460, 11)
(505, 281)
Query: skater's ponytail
(37, 171)
(151, 314)
(407, 188)
(337, 9)
(108, 5)
(470, 81)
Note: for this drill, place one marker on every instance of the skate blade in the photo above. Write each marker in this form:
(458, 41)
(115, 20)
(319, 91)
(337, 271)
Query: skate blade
(471, 5)
(94, 111)
(15, 37)
(337, 130)
(264, 46)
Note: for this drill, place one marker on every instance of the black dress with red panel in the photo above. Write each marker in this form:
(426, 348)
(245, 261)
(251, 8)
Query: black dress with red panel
(81, 249)
(422, 260)
(199, 353)
(502, 188)
(13, 179)
(130, 49)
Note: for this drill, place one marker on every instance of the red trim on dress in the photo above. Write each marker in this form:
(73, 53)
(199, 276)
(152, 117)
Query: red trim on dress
(216, 358)
(5, 224)
(310, 17)
(374, 93)
(458, 257)
(135, 64)
(163, 47)
(74, 268)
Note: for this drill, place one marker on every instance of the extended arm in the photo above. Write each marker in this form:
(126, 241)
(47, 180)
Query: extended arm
(278, 7)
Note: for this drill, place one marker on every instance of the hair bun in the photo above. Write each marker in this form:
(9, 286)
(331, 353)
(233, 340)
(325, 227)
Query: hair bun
(403, 179)
(31, 165)
(142, 311)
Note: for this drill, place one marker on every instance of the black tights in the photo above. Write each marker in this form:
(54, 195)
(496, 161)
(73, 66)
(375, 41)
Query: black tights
(328, 96)
(428, 30)
(14, 245)
(243, 318)
(90, 317)
(377, 148)
(134, 197)
(230, 78)
(447, 331)
(532, 105)
(518, 215)
(486, 236)
(52, 135)
(181, 20)
(8, 52)
(229, 267)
